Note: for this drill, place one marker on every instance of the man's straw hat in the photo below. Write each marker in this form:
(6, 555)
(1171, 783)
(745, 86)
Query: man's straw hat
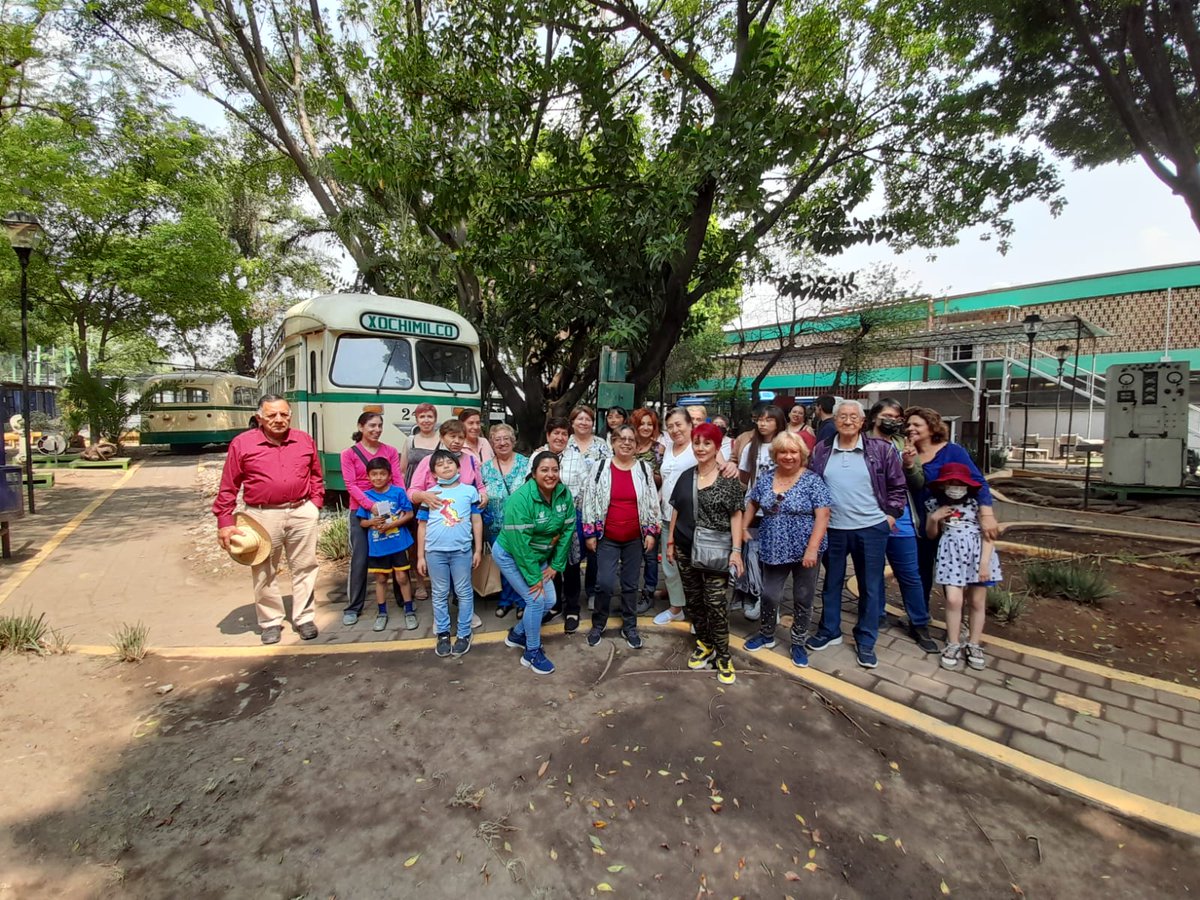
(253, 545)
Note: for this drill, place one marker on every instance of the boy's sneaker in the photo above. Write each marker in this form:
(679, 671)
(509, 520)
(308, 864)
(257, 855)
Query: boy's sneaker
(820, 641)
(443, 644)
(632, 638)
(667, 616)
(535, 660)
(512, 639)
(350, 617)
(799, 656)
(975, 657)
(594, 636)
(950, 655)
(461, 646)
(725, 673)
(410, 621)
(758, 642)
(866, 657)
(701, 656)
(380, 622)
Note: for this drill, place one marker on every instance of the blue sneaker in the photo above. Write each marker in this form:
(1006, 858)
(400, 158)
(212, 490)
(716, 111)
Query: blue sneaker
(535, 660)
(866, 658)
(820, 641)
(512, 639)
(758, 642)
(799, 656)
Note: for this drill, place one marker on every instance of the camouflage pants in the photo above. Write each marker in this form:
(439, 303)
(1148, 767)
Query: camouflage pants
(707, 604)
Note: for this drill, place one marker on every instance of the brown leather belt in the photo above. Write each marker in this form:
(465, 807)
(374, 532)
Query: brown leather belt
(295, 504)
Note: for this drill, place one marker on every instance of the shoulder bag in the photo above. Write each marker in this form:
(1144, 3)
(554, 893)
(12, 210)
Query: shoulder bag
(710, 547)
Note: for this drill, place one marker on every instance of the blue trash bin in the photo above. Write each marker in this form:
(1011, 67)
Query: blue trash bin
(12, 494)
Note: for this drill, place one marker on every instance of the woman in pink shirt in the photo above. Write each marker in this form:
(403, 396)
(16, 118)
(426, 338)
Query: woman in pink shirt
(475, 444)
(366, 447)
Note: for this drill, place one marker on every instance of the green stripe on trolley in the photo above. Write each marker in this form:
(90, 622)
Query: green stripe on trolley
(339, 397)
(223, 436)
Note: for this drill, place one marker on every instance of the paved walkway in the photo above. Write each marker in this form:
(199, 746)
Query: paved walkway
(135, 558)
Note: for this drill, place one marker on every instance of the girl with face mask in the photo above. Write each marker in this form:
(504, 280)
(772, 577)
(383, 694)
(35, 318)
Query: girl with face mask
(966, 564)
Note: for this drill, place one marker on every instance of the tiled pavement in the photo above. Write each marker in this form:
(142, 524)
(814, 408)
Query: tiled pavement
(1132, 733)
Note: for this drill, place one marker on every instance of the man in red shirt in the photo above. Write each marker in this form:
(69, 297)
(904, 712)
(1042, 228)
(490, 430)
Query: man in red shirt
(279, 473)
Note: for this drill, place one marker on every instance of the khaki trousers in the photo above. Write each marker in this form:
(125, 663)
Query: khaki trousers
(293, 530)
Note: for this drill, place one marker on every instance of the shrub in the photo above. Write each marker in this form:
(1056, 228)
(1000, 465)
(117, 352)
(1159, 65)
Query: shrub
(23, 632)
(334, 540)
(130, 642)
(1069, 579)
(1004, 605)
(998, 459)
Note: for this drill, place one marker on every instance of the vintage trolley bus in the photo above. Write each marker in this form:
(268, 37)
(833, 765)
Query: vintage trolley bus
(337, 355)
(195, 408)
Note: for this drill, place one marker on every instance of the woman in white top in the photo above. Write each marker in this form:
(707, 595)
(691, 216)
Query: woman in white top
(676, 460)
(581, 459)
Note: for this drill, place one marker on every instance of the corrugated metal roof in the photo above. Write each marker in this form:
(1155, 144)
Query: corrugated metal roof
(889, 387)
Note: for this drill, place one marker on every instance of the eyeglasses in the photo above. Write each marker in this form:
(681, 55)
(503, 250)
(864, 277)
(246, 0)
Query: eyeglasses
(850, 418)
(625, 440)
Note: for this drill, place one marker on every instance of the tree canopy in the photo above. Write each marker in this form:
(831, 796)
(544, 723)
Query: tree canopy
(570, 173)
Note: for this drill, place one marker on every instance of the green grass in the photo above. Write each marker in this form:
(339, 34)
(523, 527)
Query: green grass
(334, 540)
(1068, 579)
(130, 642)
(1005, 606)
(24, 633)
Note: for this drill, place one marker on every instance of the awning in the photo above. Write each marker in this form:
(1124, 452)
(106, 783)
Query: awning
(895, 387)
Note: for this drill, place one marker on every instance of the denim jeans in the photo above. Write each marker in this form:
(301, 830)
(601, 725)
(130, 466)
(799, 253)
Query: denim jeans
(650, 566)
(902, 557)
(529, 627)
(446, 566)
(508, 597)
(613, 558)
(868, 548)
(670, 573)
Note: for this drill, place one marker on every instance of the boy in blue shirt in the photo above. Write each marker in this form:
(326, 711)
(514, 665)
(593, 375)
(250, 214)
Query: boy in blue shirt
(449, 538)
(388, 540)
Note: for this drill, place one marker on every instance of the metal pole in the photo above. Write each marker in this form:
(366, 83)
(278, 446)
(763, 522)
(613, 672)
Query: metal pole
(1167, 332)
(1028, 385)
(1087, 478)
(23, 256)
(1057, 404)
(1075, 375)
(1092, 390)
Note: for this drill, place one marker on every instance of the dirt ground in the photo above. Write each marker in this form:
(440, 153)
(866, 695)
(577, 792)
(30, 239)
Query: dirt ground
(1067, 493)
(1150, 625)
(387, 775)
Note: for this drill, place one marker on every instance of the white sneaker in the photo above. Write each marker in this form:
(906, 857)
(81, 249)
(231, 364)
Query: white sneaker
(476, 622)
(667, 616)
(753, 611)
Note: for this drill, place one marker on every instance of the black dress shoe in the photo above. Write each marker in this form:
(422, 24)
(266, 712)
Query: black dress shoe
(271, 634)
(308, 631)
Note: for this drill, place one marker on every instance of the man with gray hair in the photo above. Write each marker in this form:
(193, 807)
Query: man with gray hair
(278, 471)
(869, 493)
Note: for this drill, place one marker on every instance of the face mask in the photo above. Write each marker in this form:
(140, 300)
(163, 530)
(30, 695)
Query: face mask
(892, 426)
(446, 482)
(956, 491)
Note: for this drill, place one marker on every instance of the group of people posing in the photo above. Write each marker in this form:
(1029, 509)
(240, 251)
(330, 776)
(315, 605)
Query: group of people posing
(686, 504)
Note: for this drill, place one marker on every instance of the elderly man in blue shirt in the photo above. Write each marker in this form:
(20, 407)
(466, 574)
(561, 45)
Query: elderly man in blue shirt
(866, 481)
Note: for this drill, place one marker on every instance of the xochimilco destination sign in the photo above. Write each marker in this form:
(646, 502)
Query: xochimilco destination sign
(402, 325)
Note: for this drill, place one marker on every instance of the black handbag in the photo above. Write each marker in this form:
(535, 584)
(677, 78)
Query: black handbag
(710, 547)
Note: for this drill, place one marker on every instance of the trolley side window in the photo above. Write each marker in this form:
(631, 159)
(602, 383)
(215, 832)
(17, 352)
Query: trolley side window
(245, 396)
(446, 367)
(372, 362)
(169, 396)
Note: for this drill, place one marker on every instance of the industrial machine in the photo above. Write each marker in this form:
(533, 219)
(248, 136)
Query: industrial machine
(1146, 424)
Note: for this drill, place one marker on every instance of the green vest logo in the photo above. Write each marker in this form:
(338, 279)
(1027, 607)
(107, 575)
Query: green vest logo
(401, 325)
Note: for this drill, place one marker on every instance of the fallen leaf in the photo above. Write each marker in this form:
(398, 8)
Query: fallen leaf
(882, 838)
(595, 840)
(716, 807)
(616, 868)
(944, 888)
(811, 867)
(717, 744)
(604, 887)
(812, 852)
(895, 766)
(800, 819)
(878, 786)
(411, 861)
(585, 739)
(553, 854)
(542, 768)
(791, 876)
(783, 787)
(717, 849)
(599, 823)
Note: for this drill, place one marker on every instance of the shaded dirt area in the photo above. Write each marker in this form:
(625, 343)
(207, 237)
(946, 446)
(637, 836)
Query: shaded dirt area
(1067, 493)
(1150, 624)
(389, 775)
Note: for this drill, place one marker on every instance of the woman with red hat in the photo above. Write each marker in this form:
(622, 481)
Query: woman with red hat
(966, 563)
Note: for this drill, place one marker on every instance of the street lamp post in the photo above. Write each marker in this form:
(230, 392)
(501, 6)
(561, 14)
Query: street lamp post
(1060, 352)
(1033, 324)
(25, 233)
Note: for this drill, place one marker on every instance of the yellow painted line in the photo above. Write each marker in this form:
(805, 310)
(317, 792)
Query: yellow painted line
(1120, 801)
(304, 648)
(27, 568)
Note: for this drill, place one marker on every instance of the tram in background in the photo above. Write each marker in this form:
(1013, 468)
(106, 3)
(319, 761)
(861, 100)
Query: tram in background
(338, 355)
(194, 408)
